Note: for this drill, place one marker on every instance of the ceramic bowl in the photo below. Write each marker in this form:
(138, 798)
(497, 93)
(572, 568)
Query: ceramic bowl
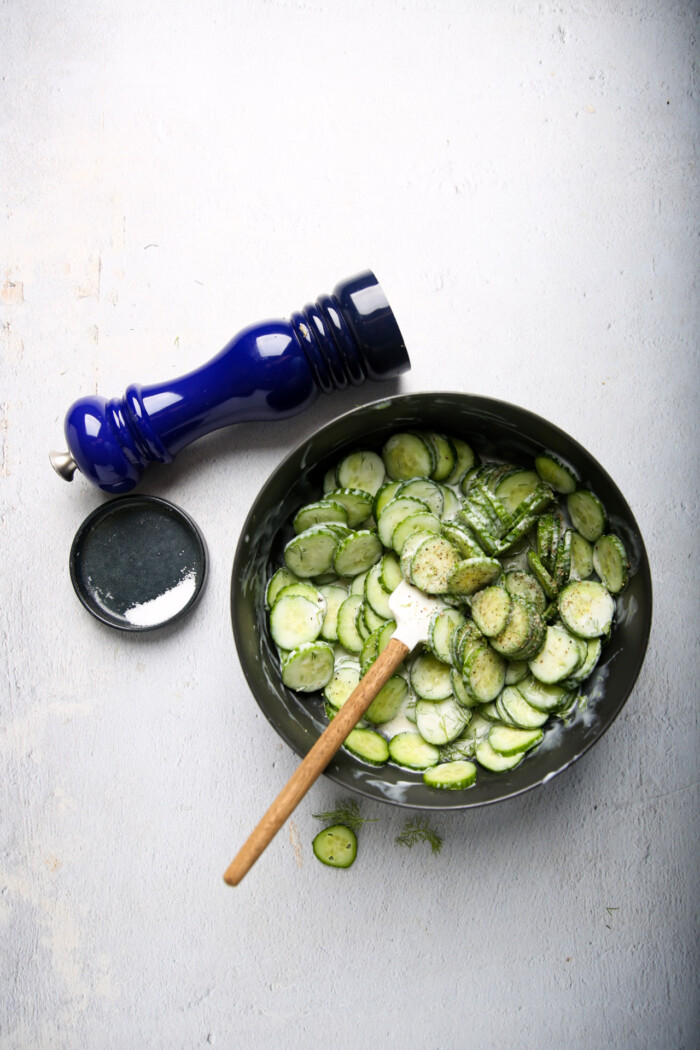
(496, 429)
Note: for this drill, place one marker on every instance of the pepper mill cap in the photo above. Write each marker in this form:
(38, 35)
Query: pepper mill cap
(377, 335)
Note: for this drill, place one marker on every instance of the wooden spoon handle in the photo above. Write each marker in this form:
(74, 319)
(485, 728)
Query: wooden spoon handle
(316, 760)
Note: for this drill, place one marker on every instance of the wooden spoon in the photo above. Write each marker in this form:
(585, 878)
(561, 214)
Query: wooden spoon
(412, 610)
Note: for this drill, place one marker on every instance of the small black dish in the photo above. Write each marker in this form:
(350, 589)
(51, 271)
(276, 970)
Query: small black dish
(491, 426)
(138, 562)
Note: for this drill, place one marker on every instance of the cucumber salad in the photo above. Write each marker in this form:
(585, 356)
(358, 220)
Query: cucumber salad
(527, 572)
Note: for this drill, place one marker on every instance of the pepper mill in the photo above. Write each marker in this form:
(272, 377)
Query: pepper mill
(270, 370)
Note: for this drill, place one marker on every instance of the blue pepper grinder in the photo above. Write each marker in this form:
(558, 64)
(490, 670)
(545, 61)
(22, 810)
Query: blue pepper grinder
(269, 371)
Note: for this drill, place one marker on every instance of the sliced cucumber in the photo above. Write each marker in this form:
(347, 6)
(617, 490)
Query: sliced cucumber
(509, 742)
(357, 553)
(581, 557)
(462, 537)
(559, 657)
(430, 677)
(391, 575)
(519, 711)
(420, 521)
(491, 609)
(556, 473)
(344, 680)
(451, 776)
(443, 624)
(316, 513)
(361, 470)
(388, 701)
(445, 455)
(427, 491)
(587, 514)
(440, 722)
(367, 745)
(348, 633)
(375, 593)
(484, 673)
(279, 579)
(471, 574)
(493, 761)
(385, 494)
(432, 564)
(311, 552)
(357, 503)
(587, 608)
(410, 750)
(465, 461)
(515, 486)
(544, 697)
(525, 585)
(336, 846)
(408, 455)
(611, 563)
(309, 667)
(295, 620)
(394, 512)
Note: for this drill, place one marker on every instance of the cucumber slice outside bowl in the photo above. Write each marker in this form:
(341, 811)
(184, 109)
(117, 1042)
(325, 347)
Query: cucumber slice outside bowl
(494, 429)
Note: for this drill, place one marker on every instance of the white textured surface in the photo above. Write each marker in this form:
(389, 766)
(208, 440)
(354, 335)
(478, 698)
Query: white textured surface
(522, 178)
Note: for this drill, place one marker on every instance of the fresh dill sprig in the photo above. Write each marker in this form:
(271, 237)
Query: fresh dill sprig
(417, 829)
(346, 812)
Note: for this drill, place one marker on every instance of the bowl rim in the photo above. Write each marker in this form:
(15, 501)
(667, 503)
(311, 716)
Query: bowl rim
(444, 801)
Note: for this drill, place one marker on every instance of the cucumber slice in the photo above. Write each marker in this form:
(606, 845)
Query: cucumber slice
(442, 721)
(461, 536)
(545, 580)
(556, 473)
(279, 579)
(465, 461)
(306, 590)
(330, 481)
(587, 514)
(477, 522)
(361, 470)
(516, 670)
(410, 750)
(309, 667)
(581, 557)
(345, 679)
(316, 513)
(547, 540)
(493, 761)
(357, 583)
(484, 674)
(391, 575)
(348, 633)
(562, 561)
(394, 512)
(421, 521)
(465, 744)
(460, 691)
(375, 594)
(432, 564)
(490, 610)
(408, 455)
(463, 641)
(515, 486)
(594, 647)
(334, 595)
(443, 624)
(295, 620)
(357, 503)
(544, 697)
(430, 677)
(387, 703)
(385, 494)
(372, 620)
(336, 846)
(472, 574)
(559, 657)
(521, 713)
(367, 745)
(509, 742)
(357, 553)
(445, 455)
(587, 608)
(611, 563)
(450, 502)
(426, 490)
(524, 585)
(451, 776)
(519, 629)
(311, 552)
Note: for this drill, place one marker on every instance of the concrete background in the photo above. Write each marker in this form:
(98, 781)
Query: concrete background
(522, 178)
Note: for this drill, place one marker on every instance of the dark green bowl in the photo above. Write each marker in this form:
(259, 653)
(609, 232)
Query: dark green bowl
(490, 427)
